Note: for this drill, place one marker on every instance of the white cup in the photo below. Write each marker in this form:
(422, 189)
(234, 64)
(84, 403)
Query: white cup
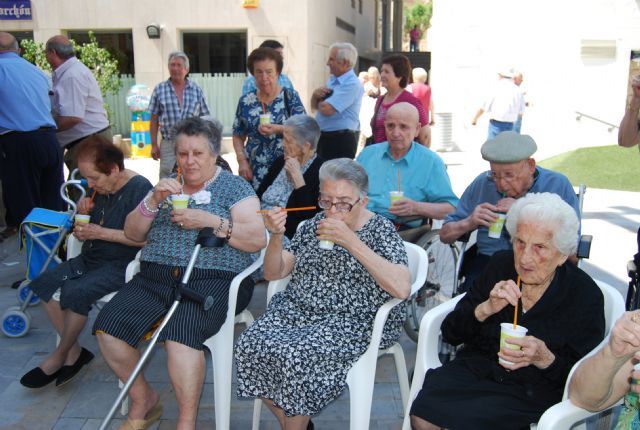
(326, 244)
(507, 331)
(495, 229)
(80, 218)
(265, 118)
(180, 201)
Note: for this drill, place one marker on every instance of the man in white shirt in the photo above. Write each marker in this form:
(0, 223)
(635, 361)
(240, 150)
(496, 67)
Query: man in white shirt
(504, 106)
(76, 102)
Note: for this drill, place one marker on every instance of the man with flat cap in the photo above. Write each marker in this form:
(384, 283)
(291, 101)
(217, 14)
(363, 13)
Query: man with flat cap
(513, 173)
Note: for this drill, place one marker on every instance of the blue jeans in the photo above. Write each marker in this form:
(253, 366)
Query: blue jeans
(497, 127)
(518, 124)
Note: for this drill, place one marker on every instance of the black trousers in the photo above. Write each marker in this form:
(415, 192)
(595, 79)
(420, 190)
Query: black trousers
(31, 171)
(338, 144)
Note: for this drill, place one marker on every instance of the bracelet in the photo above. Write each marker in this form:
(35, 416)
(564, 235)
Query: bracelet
(229, 230)
(146, 206)
(219, 229)
(144, 212)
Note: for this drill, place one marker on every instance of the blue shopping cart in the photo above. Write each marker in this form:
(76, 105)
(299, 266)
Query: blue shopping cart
(41, 234)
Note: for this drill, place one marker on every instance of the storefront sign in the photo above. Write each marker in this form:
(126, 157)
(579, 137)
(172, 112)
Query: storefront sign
(15, 9)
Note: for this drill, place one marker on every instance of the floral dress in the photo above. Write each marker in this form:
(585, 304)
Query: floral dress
(261, 150)
(299, 352)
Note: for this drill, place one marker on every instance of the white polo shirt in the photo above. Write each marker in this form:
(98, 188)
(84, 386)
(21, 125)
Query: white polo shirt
(76, 93)
(507, 102)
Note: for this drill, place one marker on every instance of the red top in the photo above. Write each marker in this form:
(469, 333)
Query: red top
(405, 96)
(423, 93)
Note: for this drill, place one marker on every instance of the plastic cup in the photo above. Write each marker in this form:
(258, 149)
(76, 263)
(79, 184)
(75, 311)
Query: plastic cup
(326, 244)
(495, 229)
(80, 218)
(265, 118)
(395, 196)
(507, 331)
(180, 201)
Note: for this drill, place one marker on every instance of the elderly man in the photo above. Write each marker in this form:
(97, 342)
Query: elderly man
(513, 174)
(284, 81)
(503, 106)
(338, 105)
(30, 157)
(402, 164)
(173, 100)
(77, 104)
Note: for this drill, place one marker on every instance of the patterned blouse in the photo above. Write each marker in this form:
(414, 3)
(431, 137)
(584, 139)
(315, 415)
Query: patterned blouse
(171, 245)
(261, 150)
(278, 193)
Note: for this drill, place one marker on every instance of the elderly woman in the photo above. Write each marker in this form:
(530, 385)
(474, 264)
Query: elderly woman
(292, 180)
(604, 378)
(325, 316)
(218, 200)
(559, 304)
(99, 269)
(260, 115)
(372, 87)
(395, 75)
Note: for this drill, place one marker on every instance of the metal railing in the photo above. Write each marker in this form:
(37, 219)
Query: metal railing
(610, 128)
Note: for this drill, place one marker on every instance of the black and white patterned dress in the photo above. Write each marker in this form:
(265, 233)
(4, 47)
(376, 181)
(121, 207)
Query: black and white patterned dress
(299, 352)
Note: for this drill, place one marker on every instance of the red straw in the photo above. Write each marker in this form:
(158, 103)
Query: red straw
(515, 311)
(93, 196)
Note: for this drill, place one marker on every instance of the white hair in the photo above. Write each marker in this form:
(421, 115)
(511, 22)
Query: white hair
(547, 210)
(345, 52)
(179, 54)
(419, 75)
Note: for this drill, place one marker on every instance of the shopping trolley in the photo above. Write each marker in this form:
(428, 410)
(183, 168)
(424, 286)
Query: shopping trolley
(41, 233)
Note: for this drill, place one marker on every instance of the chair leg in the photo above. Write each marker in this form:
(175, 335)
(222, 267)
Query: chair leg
(257, 409)
(401, 370)
(221, 349)
(360, 381)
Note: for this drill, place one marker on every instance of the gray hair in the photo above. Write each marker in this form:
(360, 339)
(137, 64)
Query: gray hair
(345, 169)
(206, 126)
(419, 75)
(179, 54)
(304, 129)
(373, 71)
(345, 52)
(63, 50)
(550, 211)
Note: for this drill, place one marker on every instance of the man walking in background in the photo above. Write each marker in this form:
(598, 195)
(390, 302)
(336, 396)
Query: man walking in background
(503, 106)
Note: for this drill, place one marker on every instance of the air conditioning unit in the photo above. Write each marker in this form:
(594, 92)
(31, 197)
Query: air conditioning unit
(598, 49)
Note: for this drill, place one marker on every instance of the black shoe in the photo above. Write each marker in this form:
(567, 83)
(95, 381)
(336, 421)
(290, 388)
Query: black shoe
(67, 373)
(310, 425)
(36, 378)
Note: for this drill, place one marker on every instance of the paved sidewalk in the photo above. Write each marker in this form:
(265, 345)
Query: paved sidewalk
(611, 217)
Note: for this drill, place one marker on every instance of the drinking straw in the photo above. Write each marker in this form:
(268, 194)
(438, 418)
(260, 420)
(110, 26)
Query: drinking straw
(264, 109)
(93, 196)
(399, 180)
(304, 208)
(515, 311)
(180, 179)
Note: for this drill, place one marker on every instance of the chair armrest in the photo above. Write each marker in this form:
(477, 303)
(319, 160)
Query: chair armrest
(132, 268)
(584, 246)
(277, 286)
(74, 246)
(563, 415)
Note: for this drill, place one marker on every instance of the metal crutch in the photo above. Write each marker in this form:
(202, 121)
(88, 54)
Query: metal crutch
(206, 239)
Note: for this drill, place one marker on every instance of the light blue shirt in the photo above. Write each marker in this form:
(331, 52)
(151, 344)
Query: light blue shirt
(24, 95)
(250, 83)
(346, 100)
(423, 176)
(483, 190)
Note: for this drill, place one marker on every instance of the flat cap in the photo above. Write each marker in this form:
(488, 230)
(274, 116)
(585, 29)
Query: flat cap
(508, 147)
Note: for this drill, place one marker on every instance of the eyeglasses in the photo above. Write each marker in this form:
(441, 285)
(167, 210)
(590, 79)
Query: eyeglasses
(507, 176)
(340, 206)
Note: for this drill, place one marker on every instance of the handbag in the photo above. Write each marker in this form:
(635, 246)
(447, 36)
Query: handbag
(370, 140)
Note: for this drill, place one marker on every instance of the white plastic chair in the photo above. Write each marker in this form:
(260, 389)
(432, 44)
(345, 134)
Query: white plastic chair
(361, 376)
(427, 358)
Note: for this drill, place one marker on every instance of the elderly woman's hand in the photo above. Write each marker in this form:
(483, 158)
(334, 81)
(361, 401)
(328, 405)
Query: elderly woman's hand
(275, 220)
(625, 335)
(502, 294)
(292, 167)
(85, 231)
(532, 351)
(85, 206)
(164, 189)
(192, 219)
(336, 231)
(269, 129)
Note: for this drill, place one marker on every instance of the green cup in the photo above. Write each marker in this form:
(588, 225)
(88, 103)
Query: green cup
(180, 201)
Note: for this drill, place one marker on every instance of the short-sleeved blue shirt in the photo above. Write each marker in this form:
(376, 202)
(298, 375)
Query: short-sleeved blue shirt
(423, 176)
(483, 190)
(169, 244)
(346, 100)
(261, 151)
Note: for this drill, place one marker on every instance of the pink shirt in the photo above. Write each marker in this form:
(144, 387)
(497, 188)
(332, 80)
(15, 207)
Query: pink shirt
(405, 96)
(423, 93)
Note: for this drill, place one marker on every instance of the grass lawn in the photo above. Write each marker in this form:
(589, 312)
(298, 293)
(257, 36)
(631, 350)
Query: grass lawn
(607, 167)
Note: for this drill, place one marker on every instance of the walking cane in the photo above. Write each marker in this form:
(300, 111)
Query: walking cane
(206, 239)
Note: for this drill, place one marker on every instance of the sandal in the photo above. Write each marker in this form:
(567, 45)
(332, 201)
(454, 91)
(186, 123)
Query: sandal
(152, 416)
